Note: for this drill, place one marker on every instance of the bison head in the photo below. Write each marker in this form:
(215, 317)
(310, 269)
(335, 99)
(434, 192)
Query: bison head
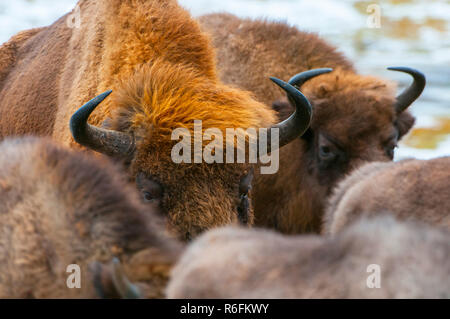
(161, 98)
(358, 119)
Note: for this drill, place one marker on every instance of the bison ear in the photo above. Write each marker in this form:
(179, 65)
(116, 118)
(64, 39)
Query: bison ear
(283, 108)
(404, 123)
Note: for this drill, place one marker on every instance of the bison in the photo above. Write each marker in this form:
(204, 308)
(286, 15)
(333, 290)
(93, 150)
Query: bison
(161, 67)
(410, 189)
(59, 208)
(411, 259)
(356, 119)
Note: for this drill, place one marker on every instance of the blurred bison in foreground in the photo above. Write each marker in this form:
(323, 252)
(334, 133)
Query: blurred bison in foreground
(410, 189)
(59, 208)
(162, 70)
(413, 260)
(356, 118)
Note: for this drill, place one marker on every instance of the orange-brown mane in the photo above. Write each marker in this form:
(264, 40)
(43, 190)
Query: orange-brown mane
(165, 73)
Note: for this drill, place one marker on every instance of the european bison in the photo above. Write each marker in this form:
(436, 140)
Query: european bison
(252, 264)
(60, 208)
(356, 118)
(161, 67)
(410, 189)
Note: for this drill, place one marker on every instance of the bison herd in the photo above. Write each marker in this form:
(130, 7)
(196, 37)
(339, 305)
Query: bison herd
(87, 178)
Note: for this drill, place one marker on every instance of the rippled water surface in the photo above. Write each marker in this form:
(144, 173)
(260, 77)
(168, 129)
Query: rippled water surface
(412, 33)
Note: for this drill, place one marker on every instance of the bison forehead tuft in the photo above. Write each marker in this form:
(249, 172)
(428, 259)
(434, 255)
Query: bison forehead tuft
(350, 106)
(148, 103)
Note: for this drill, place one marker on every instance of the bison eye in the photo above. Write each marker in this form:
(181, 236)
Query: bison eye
(148, 197)
(328, 149)
(151, 191)
(326, 153)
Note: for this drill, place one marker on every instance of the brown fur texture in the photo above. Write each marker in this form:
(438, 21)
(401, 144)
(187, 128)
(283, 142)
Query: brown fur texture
(353, 115)
(409, 190)
(59, 207)
(161, 68)
(253, 264)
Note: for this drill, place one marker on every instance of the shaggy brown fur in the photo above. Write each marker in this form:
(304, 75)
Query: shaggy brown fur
(57, 208)
(161, 68)
(354, 116)
(252, 264)
(411, 189)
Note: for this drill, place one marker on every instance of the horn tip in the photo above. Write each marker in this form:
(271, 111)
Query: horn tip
(104, 95)
(299, 79)
(405, 69)
(278, 81)
(325, 70)
(416, 74)
(400, 69)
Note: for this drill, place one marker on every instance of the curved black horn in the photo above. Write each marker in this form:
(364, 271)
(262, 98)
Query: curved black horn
(297, 124)
(123, 286)
(300, 79)
(111, 143)
(411, 94)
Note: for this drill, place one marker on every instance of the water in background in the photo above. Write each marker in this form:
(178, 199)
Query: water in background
(413, 33)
